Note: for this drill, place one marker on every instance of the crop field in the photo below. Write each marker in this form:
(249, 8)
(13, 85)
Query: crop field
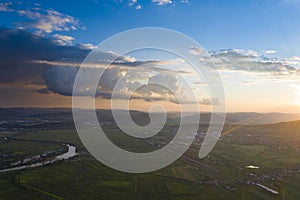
(274, 149)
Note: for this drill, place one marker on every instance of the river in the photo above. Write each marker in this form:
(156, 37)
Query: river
(69, 154)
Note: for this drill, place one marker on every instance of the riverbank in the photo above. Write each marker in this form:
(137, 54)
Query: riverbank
(69, 154)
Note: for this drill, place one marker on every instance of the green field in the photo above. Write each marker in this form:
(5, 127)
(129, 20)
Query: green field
(221, 175)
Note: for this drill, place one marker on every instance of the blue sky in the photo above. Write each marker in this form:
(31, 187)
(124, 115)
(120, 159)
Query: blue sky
(249, 24)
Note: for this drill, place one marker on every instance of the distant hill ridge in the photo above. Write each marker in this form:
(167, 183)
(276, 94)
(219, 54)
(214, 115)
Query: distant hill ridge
(231, 118)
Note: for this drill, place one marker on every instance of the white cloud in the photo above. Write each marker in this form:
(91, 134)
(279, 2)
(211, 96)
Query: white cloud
(63, 39)
(87, 46)
(137, 4)
(44, 21)
(196, 50)
(50, 20)
(162, 2)
(270, 52)
(210, 101)
(251, 62)
(132, 2)
(4, 7)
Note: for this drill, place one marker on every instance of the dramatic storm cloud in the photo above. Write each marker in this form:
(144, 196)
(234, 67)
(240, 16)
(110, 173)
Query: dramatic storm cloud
(60, 79)
(46, 62)
(19, 48)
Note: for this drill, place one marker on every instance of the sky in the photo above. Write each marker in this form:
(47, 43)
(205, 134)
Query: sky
(254, 44)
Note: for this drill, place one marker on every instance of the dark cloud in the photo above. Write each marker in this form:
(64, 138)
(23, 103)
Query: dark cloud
(19, 48)
(27, 58)
(61, 79)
